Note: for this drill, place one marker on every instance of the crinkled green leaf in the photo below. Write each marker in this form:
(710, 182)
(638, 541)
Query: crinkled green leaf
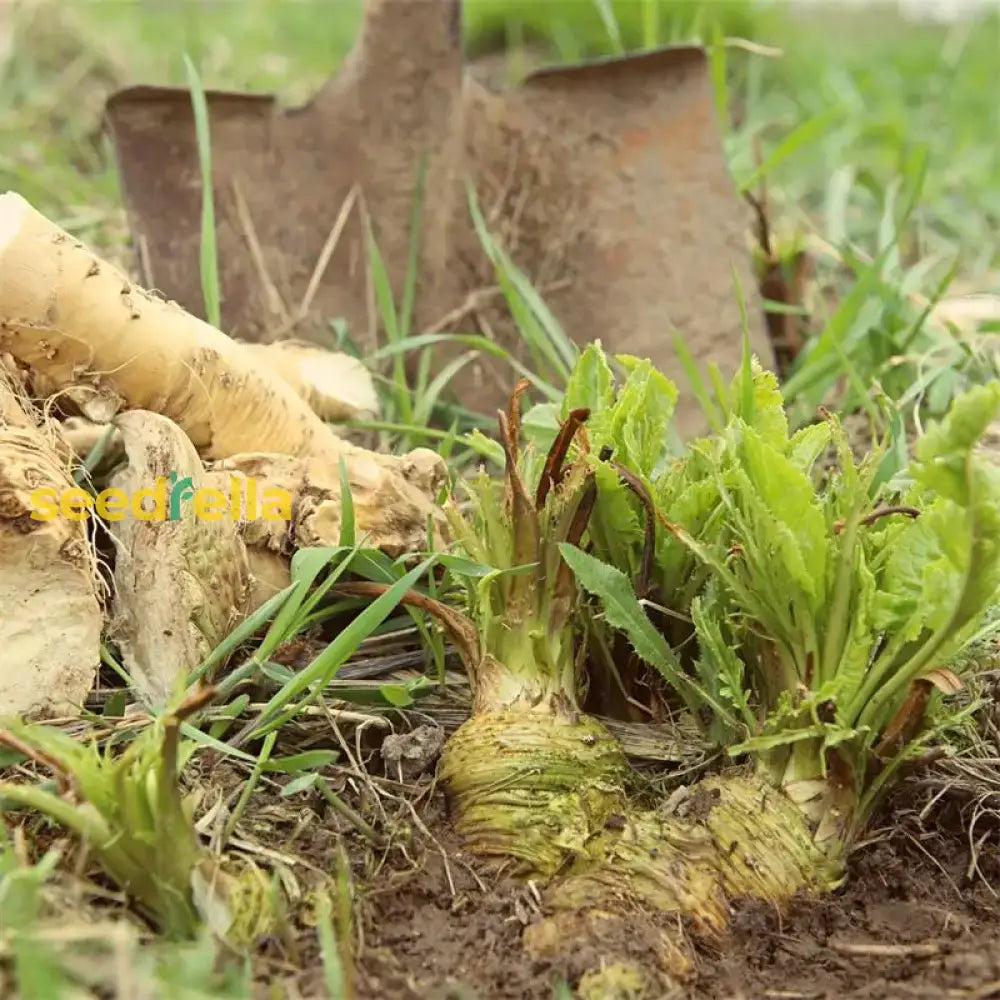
(617, 525)
(849, 672)
(770, 741)
(807, 444)
(719, 666)
(539, 426)
(636, 426)
(943, 452)
(944, 569)
(904, 604)
(769, 419)
(781, 500)
(591, 383)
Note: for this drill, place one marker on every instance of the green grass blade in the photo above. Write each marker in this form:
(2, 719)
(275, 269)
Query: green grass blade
(809, 131)
(347, 525)
(325, 666)
(209, 256)
(611, 25)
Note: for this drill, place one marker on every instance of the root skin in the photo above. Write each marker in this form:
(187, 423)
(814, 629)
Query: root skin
(391, 507)
(76, 318)
(336, 386)
(180, 585)
(81, 324)
(552, 793)
(50, 612)
(533, 785)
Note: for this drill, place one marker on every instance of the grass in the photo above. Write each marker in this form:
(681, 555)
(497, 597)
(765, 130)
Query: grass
(876, 143)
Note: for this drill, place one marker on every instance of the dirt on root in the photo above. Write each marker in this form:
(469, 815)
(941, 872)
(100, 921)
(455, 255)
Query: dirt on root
(908, 925)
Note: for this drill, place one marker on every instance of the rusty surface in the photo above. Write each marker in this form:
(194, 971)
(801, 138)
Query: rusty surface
(605, 181)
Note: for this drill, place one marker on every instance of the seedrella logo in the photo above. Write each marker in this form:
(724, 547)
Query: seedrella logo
(165, 501)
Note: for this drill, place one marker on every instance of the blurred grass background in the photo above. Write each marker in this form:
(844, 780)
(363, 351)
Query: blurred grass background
(880, 86)
(877, 135)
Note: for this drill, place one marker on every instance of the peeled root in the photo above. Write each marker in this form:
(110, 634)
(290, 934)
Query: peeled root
(50, 615)
(182, 583)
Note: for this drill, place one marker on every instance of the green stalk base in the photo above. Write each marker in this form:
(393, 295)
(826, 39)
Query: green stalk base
(550, 790)
(765, 845)
(533, 785)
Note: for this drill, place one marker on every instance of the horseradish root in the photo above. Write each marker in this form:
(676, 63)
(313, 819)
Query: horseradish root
(76, 318)
(336, 386)
(181, 578)
(85, 330)
(390, 510)
(50, 624)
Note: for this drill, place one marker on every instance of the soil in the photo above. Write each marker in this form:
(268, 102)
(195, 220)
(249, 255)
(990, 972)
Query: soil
(908, 924)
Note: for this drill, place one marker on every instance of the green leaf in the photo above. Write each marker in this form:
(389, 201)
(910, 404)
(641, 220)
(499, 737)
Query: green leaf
(540, 425)
(347, 536)
(712, 412)
(300, 784)
(720, 667)
(309, 760)
(636, 424)
(319, 672)
(623, 611)
(807, 444)
(862, 634)
(943, 452)
(396, 695)
(768, 417)
(901, 606)
(806, 132)
(209, 256)
(591, 384)
(781, 501)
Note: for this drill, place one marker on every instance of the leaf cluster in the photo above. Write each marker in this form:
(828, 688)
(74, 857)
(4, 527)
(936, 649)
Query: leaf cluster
(806, 614)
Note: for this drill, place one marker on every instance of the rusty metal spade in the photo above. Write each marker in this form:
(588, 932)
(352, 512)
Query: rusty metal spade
(605, 182)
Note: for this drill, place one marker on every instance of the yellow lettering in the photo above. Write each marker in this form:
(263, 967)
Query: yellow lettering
(112, 504)
(235, 497)
(252, 510)
(277, 505)
(71, 500)
(202, 501)
(158, 494)
(44, 503)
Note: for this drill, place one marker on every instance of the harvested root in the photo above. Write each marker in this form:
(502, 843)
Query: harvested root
(336, 386)
(181, 578)
(391, 511)
(50, 625)
(74, 318)
(86, 330)
(270, 573)
(77, 320)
